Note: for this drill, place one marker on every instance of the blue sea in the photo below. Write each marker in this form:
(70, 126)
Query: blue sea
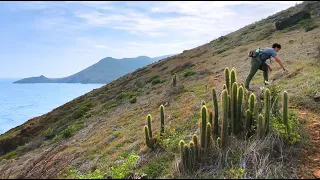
(21, 102)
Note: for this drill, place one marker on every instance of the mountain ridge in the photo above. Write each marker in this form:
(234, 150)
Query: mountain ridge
(102, 72)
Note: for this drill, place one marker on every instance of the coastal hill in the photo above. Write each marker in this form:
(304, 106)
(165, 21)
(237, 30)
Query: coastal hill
(102, 72)
(102, 134)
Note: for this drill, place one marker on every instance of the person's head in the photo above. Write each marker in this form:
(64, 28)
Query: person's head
(276, 47)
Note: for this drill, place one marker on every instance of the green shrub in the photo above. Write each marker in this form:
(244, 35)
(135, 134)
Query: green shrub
(121, 171)
(293, 122)
(48, 134)
(302, 22)
(310, 28)
(189, 73)
(73, 174)
(81, 111)
(156, 81)
(9, 155)
(126, 95)
(70, 130)
(133, 100)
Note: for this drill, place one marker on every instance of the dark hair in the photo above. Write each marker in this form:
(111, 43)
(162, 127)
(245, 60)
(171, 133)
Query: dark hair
(276, 45)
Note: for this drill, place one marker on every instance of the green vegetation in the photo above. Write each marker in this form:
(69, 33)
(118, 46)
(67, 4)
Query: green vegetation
(118, 171)
(82, 110)
(189, 73)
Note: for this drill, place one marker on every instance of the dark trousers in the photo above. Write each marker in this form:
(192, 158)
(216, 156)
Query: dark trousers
(256, 64)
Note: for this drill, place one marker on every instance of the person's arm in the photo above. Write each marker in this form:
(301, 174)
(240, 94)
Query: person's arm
(280, 63)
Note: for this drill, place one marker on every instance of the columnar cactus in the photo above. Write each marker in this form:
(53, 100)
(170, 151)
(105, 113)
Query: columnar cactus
(239, 108)
(227, 76)
(149, 118)
(162, 120)
(224, 131)
(234, 123)
(229, 110)
(267, 105)
(174, 80)
(260, 125)
(248, 119)
(147, 136)
(196, 145)
(208, 136)
(252, 101)
(183, 160)
(210, 117)
(203, 126)
(233, 76)
(285, 110)
(215, 106)
(186, 154)
(219, 142)
(192, 154)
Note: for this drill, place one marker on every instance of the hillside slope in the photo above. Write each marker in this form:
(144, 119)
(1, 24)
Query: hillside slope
(102, 72)
(93, 130)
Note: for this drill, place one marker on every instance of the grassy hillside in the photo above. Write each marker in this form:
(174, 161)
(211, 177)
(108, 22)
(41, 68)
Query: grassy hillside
(89, 135)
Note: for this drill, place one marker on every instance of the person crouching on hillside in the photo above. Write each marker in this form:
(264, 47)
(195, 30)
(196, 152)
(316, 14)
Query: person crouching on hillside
(259, 62)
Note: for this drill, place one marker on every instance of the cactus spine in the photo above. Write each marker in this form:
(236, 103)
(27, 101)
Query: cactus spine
(267, 109)
(208, 138)
(234, 123)
(285, 110)
(239, 106)
(149, 118)
(215, 105)
(203, 126)
(227, 76)
(162, 120)
(224, 132)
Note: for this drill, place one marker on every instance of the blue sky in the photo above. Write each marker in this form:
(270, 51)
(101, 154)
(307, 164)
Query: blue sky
(57, 39)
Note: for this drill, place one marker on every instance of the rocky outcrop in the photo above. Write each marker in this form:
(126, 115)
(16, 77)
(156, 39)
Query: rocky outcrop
(292, 20)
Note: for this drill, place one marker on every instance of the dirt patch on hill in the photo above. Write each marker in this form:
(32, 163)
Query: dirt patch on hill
(310, 163)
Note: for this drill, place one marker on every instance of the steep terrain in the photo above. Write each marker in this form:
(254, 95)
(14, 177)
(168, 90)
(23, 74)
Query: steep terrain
(92, 131)
(102, 72)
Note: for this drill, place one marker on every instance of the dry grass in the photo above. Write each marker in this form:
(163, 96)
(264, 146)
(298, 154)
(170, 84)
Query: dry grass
(259, 158)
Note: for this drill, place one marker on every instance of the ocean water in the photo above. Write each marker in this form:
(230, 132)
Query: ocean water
(21, 102)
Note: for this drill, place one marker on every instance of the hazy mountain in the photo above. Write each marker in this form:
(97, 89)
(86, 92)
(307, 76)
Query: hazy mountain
(104, 71)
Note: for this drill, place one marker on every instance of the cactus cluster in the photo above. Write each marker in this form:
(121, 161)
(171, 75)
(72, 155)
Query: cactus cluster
(189, 154)
(150, 141)
(239, 113)
(148, 133)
